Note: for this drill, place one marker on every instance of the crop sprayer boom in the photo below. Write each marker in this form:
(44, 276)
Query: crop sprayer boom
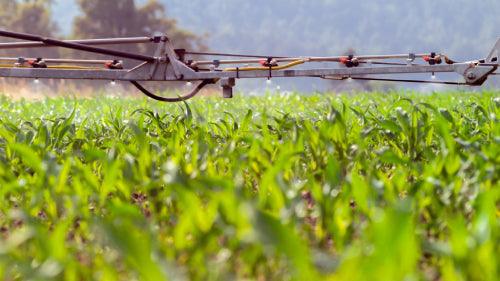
(169, 64)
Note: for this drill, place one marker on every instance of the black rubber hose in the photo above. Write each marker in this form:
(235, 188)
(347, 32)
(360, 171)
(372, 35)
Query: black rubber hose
(192, 94)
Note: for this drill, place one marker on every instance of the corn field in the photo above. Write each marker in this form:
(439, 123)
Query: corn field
(375, 186)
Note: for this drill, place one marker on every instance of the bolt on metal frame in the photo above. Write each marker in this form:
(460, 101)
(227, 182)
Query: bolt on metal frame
(169, 64)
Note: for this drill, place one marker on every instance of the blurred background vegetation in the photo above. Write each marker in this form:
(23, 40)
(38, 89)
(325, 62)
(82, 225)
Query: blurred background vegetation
(96, 19)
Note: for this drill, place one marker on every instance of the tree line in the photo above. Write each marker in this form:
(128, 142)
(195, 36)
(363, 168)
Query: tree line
(97, 19)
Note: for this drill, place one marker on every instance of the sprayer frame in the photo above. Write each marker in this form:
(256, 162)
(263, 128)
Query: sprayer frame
(169, 64)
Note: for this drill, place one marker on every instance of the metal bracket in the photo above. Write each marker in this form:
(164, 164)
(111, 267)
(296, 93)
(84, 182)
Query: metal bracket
(180, 70)
(227, 85)
(495, 53)
(475, 75)
(160, 51)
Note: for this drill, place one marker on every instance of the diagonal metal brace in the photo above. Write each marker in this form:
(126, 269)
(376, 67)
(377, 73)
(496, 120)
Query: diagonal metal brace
(495, 52)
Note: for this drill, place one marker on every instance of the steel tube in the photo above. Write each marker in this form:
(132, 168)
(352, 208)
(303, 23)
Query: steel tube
(311, 59)
(74, 46)
(138, 75)
(76, 61)
(407, 81)
(229, 55)
(89, 42)
(35, 73)
(329, 72)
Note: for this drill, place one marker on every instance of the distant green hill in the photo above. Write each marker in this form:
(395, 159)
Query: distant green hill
(462, 28)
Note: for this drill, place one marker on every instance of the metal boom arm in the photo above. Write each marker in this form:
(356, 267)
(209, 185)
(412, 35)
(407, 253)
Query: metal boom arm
(169, 64)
